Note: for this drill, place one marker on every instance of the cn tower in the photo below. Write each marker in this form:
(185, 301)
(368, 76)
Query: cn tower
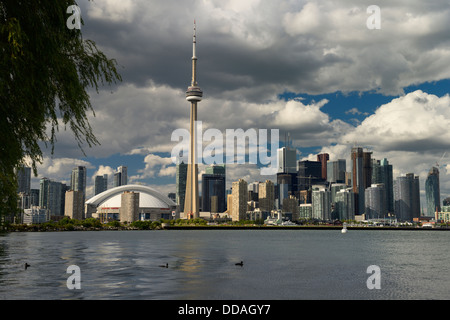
(193, 95)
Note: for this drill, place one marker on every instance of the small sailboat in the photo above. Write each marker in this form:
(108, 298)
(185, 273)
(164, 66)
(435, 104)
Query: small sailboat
(344, 228)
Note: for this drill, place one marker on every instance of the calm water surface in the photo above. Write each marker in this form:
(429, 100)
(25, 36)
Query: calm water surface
(278, 264)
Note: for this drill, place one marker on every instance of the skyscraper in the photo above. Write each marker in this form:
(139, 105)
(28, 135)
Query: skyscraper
(407, 197)
(78, 180)
(194, 95)
(323, 158)
(213, 191)
(361, 176)
(309, 173)
(266, 196)
(321, 204)
(287, 160)
(121, 176)
(101, 184)
(382, 173)
(336, 171)
(51, 196)
(74, 206)
(345, 201)
(180, 184)
(432, 192)
(239, 200)
(375, 200)
(24, 180)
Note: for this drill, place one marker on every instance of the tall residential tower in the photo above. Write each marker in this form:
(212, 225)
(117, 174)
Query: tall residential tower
(194, 95)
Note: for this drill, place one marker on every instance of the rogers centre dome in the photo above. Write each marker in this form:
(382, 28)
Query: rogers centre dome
(152, 203)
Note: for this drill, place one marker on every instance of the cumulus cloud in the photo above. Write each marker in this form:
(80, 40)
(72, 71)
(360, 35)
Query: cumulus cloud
(155, 166)
(249, 53)
(417, 121)
(58, 169)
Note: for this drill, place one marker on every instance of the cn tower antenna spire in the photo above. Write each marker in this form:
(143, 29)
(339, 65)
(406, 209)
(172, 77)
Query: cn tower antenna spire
(194, 58)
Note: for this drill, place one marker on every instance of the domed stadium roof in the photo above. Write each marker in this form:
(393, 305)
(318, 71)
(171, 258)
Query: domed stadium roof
(148, 197)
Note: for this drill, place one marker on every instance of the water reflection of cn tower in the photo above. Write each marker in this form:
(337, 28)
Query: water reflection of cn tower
(193, 95)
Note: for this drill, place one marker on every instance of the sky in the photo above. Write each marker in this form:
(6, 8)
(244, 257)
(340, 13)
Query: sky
(317, 71)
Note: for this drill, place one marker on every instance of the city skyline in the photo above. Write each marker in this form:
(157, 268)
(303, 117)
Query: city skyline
(371, 101)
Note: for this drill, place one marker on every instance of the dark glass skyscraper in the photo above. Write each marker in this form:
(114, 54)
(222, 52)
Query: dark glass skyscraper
(432, 192)
(309, 173)
(213, 193)
(361, 176)
(382, 173)
(181, 184)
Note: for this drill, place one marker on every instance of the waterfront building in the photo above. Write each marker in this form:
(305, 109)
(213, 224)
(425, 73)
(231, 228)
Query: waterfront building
(50, 196)
(444, 215)
(382, 173)
(336, 171)
(266, 195)
(375, 200)
(180, 191)
(286, 174)
(407, 197)
(334, 188)
(101, 184)
(121, 176)
(74, 206)
(287, 160)
(35, 215)
(24, 180)
(153, 205)
(194, 95)
(309, 173)
(321, 203)
(344, 205)
(290, 205)
(213, 193)
(78, 180)
(432, 192)
(285, 187)
(323, 158)
(361, 176)
(239, 200)
(305, 211)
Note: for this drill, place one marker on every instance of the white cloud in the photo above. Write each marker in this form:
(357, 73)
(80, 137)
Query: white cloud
(417, 121)
(112, 10)
(58, 169)
(155, 166)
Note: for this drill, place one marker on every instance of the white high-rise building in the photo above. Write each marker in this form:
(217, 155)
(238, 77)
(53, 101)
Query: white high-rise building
(321, 204)
(344, 205)
(375, 199)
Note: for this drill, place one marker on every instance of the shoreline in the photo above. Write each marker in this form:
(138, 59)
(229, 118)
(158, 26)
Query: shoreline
(230, 227)
(297, 228)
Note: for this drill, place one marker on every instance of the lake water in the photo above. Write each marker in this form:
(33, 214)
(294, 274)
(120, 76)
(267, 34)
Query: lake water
(278, 264)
